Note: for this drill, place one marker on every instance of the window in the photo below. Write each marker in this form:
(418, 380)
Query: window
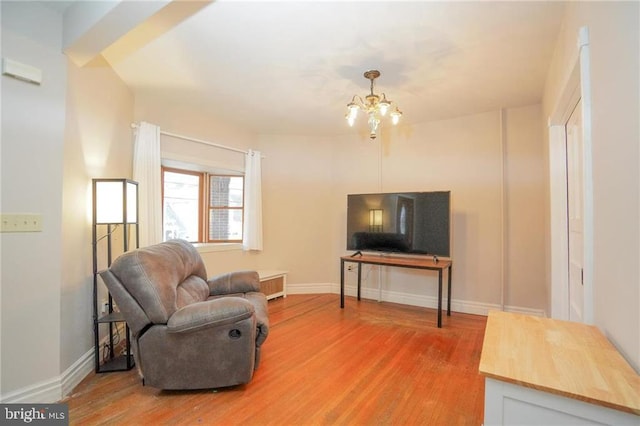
(202, 207)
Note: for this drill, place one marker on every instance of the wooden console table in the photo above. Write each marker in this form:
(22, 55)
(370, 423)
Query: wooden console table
(545, 371)
(401, 262)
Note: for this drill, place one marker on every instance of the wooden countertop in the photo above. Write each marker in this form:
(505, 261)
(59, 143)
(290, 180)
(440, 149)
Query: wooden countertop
(560, 357)
(425, 262)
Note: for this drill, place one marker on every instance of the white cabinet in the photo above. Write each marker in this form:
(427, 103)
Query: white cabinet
(509, 404)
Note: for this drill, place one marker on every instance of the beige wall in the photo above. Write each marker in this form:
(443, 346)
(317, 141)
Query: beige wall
(306, 180)
(527, 208)
(463, 155)
(98, 143)
(614, 49)
(190, 120)
(297, 190)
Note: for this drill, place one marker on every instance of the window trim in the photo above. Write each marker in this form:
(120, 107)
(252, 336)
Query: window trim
(214, 247)
(205, 207)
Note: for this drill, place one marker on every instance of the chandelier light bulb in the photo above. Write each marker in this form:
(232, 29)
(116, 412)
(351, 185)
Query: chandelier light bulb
(384, 105)
(353, 110)
(395, 116)
(351, 119)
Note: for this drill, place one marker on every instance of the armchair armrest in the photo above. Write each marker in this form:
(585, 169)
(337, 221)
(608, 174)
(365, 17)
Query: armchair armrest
(234, 282)
(210, 313)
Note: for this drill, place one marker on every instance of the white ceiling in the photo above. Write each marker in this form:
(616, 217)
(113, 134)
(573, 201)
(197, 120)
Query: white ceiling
(290, 67)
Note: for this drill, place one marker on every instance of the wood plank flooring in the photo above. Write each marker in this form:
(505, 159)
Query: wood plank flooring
(368, 364)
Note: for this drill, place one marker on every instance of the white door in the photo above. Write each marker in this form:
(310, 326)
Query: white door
(575, 222)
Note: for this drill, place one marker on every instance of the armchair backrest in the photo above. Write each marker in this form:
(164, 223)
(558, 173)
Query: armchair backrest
(162, 278)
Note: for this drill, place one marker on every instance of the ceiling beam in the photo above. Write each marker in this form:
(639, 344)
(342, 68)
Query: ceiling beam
(113, 29)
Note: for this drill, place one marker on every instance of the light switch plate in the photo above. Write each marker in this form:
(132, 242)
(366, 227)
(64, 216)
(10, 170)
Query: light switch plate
(21, 222)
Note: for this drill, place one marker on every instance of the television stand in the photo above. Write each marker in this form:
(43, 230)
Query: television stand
(429, 264)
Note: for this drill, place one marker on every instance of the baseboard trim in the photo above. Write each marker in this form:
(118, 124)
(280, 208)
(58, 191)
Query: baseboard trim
(77, 372)
(317, 288)
(457, 305)
(55, 389)
(44, 392)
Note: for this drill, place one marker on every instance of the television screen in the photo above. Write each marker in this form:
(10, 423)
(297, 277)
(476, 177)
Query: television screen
(402, 222)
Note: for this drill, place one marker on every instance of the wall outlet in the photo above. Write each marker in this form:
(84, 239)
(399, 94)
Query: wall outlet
(350, 268)
(104, 307)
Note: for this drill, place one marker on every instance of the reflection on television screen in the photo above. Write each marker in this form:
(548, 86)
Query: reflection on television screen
(402, 222)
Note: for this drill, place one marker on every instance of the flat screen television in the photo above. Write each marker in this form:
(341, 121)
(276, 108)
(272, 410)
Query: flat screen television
(401, 222)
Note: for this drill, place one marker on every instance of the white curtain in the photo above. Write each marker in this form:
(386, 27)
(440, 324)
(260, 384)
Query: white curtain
(252, 232)
(146, 171)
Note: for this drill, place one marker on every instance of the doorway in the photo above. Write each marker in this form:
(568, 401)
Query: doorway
(575, 222)
(571, 194)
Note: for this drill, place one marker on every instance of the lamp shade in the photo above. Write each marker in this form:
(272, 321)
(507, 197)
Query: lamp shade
(115, 201)
(375, 218)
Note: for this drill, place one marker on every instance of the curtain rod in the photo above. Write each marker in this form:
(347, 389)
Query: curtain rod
(187, 138)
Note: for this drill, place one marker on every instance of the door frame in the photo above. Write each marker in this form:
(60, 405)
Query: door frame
(576, 87)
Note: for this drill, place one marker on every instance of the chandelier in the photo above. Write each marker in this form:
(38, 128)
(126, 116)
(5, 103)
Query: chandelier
(373, 106)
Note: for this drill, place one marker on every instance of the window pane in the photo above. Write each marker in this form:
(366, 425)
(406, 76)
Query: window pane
(226, 191)
(225, 224)
(180, 204)
(226, 203)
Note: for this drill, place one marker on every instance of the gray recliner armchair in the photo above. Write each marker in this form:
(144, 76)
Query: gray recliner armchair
(188, 331)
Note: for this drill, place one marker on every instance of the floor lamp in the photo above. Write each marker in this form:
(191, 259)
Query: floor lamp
(115, 217)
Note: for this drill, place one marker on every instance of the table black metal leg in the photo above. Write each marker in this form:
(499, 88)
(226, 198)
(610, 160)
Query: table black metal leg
(359, 278)
(440, 298)
(449, 294)
(341, 283)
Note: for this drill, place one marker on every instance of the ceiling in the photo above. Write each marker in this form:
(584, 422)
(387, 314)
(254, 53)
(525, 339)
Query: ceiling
(290, 67)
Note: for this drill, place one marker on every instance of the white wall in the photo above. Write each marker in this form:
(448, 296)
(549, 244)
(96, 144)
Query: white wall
(55, 138)
(33, 120)
(614, 48)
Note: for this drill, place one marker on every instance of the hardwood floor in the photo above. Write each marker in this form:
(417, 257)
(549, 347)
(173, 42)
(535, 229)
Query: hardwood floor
(368, 364)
